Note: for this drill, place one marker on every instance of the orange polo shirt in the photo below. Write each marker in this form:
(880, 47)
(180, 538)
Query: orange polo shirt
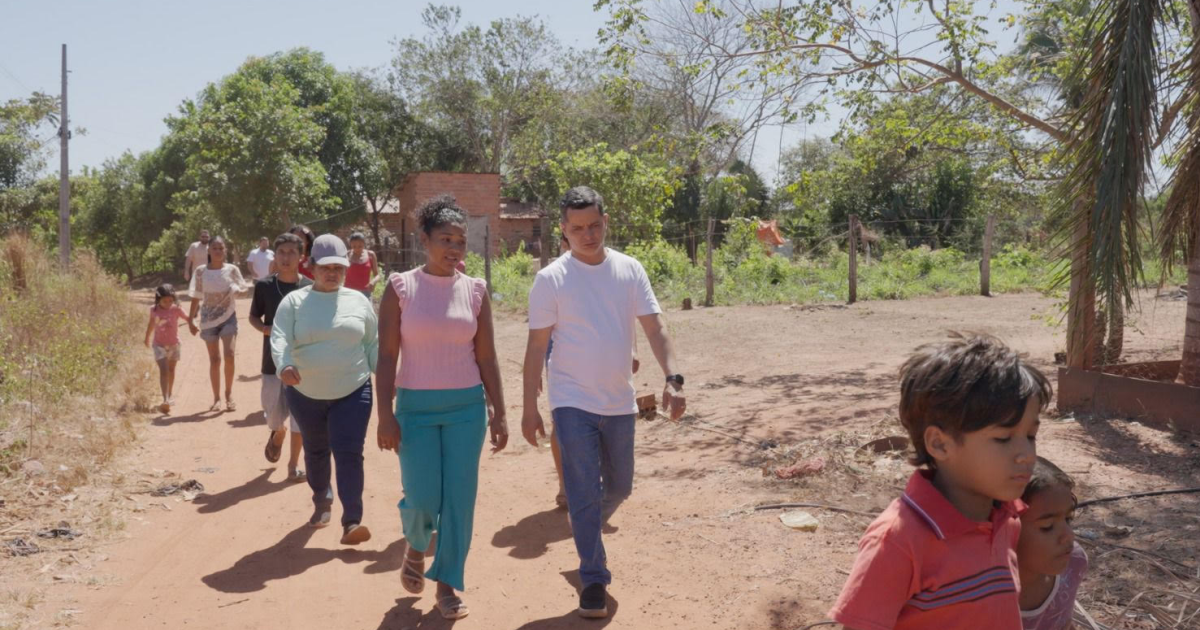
(922, 564)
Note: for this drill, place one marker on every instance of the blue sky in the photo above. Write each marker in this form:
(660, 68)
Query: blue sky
(133, 61)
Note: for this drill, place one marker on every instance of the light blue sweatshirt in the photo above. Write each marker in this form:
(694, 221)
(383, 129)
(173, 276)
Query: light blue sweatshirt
(332, 339)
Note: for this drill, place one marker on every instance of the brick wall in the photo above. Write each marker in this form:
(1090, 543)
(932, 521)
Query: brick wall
(513, 231)
(477, 193)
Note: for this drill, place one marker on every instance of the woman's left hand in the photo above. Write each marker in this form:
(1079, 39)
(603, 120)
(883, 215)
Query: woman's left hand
(498, 427)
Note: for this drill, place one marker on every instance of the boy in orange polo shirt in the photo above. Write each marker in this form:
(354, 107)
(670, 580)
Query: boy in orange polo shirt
(943, 555)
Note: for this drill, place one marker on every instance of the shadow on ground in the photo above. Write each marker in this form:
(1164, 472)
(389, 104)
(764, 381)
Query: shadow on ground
(531, 537)
(257, 487)
(570, 619)
(252, 420)
(291, 557)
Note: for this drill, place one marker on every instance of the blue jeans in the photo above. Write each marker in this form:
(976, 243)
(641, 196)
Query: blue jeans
(597, 456)
(337, 426)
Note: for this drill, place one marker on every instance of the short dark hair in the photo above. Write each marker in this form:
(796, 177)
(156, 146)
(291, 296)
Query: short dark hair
(288, 237)
(358, 236)
(963, 385)
(439, 211)
(580, 197)
(302, 231)
(1046, 475)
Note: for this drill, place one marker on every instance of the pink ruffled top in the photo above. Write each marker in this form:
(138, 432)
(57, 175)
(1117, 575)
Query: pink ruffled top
(438, 319)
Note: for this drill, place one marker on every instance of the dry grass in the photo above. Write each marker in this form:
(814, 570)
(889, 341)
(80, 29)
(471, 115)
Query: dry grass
(68, 372)
(70, 378)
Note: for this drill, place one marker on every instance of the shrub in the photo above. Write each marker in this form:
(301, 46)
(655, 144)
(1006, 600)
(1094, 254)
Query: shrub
(68, 363)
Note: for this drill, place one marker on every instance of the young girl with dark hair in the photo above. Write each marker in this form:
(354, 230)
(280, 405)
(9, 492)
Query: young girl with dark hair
(164, 327)
(213, 290)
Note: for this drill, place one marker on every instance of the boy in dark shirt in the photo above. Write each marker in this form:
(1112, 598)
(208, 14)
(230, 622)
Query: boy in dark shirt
(268, 293)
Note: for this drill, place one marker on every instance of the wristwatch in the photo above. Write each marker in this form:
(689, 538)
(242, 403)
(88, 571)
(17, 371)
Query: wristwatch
(676, 379)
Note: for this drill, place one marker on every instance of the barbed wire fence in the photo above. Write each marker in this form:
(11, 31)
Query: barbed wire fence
(859, 241)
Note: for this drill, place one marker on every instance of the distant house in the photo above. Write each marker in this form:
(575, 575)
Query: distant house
(521, 222)
(503, 223)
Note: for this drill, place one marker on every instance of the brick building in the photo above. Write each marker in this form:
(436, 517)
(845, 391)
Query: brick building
(520, 222)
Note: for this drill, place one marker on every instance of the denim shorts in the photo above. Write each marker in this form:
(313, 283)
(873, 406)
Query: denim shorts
(227, 328)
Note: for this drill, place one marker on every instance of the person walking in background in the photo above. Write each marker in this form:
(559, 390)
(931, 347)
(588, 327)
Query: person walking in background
(213, 290)
(439, 322)
(164, 326)
(261, 260)
(196, 256)
(268, 293)
(363, 273)
(324, 344)
(305, 260)
(588, 301)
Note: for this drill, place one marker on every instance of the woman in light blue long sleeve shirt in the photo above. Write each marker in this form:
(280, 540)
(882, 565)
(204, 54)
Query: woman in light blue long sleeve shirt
(324, 342)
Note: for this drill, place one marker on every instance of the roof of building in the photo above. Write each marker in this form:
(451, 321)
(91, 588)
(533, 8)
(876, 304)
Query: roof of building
(513, 209)
(391, 207)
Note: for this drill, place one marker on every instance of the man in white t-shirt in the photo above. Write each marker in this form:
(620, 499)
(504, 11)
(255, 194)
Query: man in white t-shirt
(588, 301)
(196, 256)
(261, 260)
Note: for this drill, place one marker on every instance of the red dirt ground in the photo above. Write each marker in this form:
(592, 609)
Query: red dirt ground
(687, 550)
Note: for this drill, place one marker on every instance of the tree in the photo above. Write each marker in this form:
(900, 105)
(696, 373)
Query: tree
(635, 189)
(862, 52)
(484, 86)
(1179, 231)
(112, 219)
(253, 153)
(25, 131)
(396, 145)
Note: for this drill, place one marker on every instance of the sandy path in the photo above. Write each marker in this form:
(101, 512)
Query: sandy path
(685, 554)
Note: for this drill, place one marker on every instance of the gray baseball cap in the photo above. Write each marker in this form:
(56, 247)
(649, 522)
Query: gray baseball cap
(328, 249)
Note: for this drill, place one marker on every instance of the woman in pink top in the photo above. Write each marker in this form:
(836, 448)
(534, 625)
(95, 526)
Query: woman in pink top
(439, 321)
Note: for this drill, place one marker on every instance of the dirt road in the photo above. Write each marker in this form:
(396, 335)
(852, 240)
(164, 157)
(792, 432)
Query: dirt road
(685, 550)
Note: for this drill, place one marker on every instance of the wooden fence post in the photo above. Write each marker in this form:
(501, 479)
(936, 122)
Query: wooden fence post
(708, 272)
(985, 265)
(545, 245)
(487, 255)
(853, 259)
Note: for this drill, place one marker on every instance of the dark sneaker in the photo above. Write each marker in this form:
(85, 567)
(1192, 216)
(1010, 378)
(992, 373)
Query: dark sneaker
(321, 517)
(354, 533)
(593, 602)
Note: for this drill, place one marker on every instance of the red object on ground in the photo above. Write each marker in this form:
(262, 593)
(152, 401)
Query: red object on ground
(768, 234)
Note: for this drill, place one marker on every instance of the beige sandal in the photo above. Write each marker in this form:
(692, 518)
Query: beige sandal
(412, 573)
(452, 607)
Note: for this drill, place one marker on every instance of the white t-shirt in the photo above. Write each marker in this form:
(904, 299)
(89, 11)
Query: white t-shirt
(593, 309)
(216, 289)
(260, 262)
(197, 253)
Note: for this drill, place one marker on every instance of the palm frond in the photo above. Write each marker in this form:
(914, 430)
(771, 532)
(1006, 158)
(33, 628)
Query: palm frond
(1179, 229)
(1109, 150)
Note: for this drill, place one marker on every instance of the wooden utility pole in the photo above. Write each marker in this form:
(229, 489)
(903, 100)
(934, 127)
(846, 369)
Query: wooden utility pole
(853, 258)
(985, 265)
(708, 272)
(64, 177)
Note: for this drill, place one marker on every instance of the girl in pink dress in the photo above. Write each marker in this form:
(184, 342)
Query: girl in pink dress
(164, 327)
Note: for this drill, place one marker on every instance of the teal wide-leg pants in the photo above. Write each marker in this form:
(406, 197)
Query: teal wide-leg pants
(441, 438)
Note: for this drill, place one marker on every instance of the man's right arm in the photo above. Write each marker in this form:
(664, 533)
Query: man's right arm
(257, 310)
(535, 355)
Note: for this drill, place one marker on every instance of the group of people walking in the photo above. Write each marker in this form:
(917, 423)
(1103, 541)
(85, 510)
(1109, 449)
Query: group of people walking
(438, 393)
